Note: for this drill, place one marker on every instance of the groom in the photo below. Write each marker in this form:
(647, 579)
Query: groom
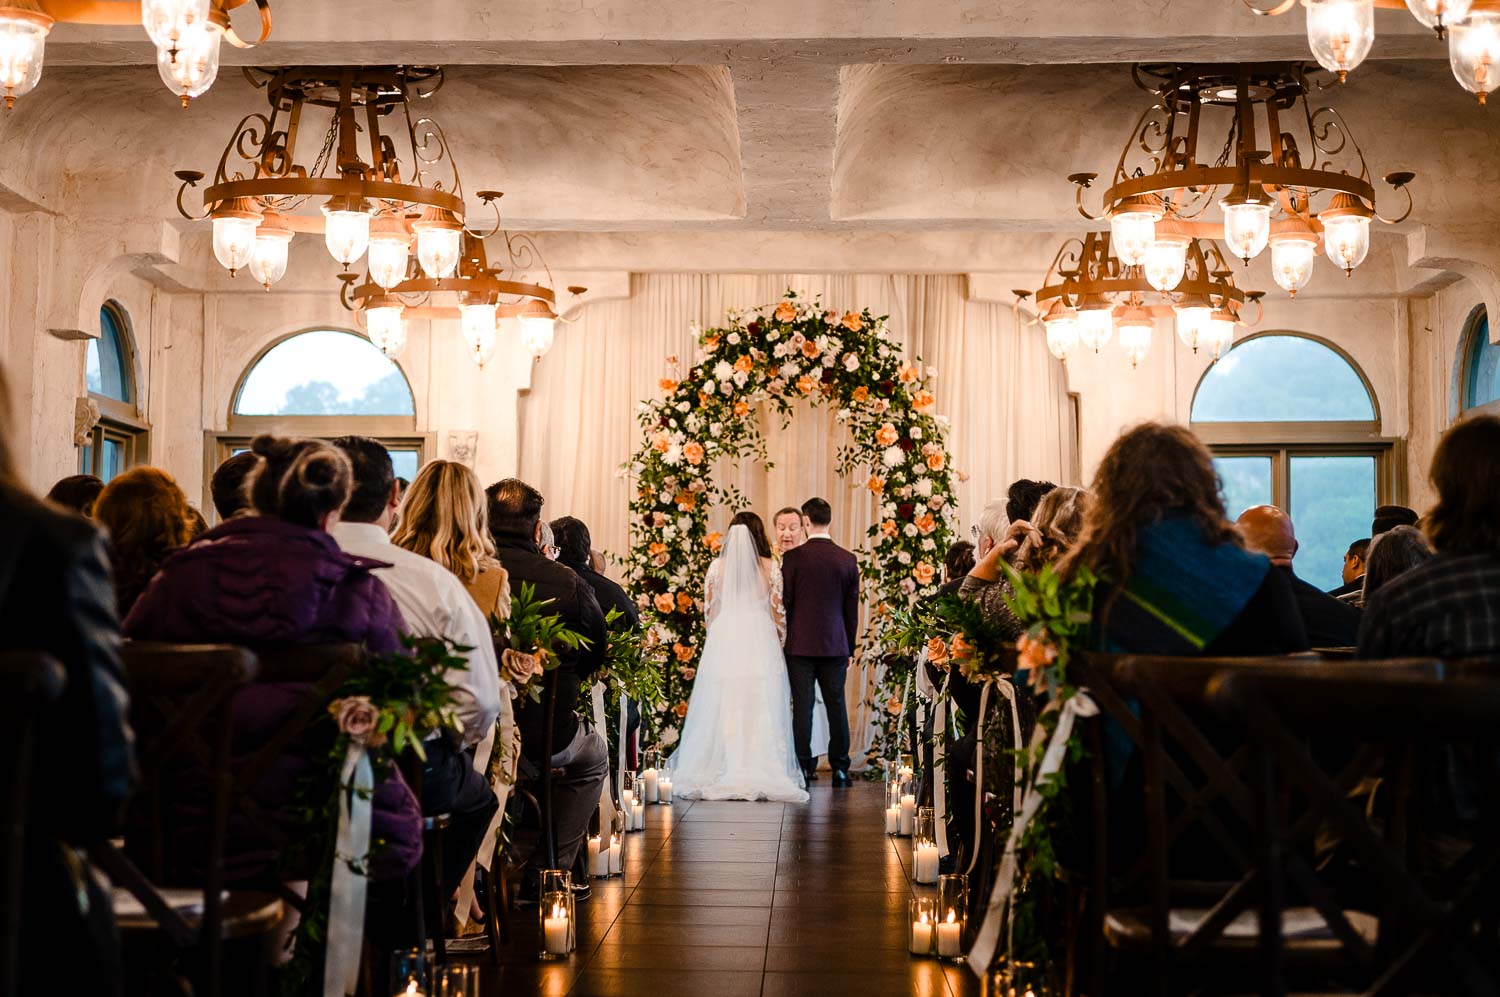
(820, 586)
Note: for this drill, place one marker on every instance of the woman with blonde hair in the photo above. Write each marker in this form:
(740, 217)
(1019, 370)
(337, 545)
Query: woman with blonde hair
(445, 517)
(1026, 546)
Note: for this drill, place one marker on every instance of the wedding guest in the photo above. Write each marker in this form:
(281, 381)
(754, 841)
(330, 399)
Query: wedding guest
(198, 525)
(1329, 622)
(445, 517)
(228, 485)
(790, 530)
(1174, 575)
(1027, 547)
(1022, 497)
(515, 510)
(434, 603)
(1449, 607)
(575, 550)
(1401, 549)
(1388, 517)
(147, 517)
(279, 578)
(1354, 571)
(56, 598)
(990, 529)
(77, 493)
(596, 561)
(548, 542)
(957, 562)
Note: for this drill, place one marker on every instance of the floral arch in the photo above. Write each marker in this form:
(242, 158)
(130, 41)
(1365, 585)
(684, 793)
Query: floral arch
(776, 355)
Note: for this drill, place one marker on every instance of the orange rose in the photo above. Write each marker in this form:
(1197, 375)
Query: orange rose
(1036, 654)
(686, 500)
(806, 385)
(657, 549)
(715, 541)
(886, 435)
(923, 573)
(684, 602)
(741, 409)
(888, 527)
(875, 484)
(853, 322)
(711, 343)
(893, 706)
(684, 652)
(661, 443)
(937, 651)
(810, 349)
(960, 649)
(680, 709)
(744, 364)
(703, 399)
(927, 524)
(664, 603)
(860, 394)
(667, 384)
(936, 461)
(909, 374)
(693, 452)
(786, 312)
(922, 400)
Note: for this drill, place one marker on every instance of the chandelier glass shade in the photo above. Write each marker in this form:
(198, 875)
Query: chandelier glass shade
(187, 35)
(1192, 321)
(1474, 53)
(1061, 323)
(385, 324)
(1202, 144)
(1136, 325)
(1292, 257)
(1166, 261)
(272, 241)
(1340, 33)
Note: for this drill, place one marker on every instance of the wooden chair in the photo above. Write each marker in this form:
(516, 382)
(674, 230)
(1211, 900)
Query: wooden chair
(1174, 897)
(29, 680)
(1437, 933)
(181, 704)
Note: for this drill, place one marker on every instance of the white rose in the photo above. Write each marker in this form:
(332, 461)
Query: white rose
(669, 737)
(684, 523)
(693, 423)
(903, 557)
(916, 432)
(885, 351)
(924, 487)
(726, 389)
(908, 586)
(723, 370)
(936, 502)
(668, 532)
(682, 407)
(821, 342)
(734, 339)
(910, 529)
(929, 544)
(888, 510)
(715, 428)
(664, 496)
(892, 457)
(773, 335)
(789, 370)
(740, 377)
(709, 387)
(779, 350)
(851, 362)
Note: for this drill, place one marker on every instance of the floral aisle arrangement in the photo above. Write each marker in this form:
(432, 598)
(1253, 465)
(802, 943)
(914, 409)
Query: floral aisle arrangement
(775, 356)
(629, 671)
(383, 709)
(531, 638)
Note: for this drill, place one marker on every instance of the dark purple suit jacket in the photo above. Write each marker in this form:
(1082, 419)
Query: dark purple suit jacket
(820, 585)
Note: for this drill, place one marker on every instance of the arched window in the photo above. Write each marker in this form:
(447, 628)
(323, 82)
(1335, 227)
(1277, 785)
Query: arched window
(1293, 423)
(118, 441)
(1479, 373)
(327, 383)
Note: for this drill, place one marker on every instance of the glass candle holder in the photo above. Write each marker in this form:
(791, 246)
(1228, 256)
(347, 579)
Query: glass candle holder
(650, 780)
(664, 787)
(923, 917)
(906, 768)
(598, 854)
(455, 980)
(893, 792)
(628, 787)
(559, 937)
(924, 846)
(409, 972)
(952, 915)
(616, 847)
(906, 811)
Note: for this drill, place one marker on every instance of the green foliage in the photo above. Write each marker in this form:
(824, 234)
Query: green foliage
(530, 630)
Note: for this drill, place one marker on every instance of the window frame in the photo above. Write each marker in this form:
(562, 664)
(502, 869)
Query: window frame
(119, 421)
(1469, 346)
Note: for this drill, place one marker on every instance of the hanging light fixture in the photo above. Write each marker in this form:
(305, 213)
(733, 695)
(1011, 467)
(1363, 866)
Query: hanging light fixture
(438, 241)
(1292, 256)
(1438, 14)
(1166, 260)
(235, 222)
(1258, 192)
(1132, 227)
(1340, 33)
(1061, 323)
(187, 35)
(1136, 325)
(388, 242)
(1474, 53)
(1218, 333)
(272, 241)
(538, 327)
(1191, 316)
(385, 323)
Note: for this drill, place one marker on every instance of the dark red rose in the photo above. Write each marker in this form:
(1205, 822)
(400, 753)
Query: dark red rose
(662, 424)
(656, 584)
(907, 444)
(753, 328)
(829, 375)
(887, 388)
(905, 510)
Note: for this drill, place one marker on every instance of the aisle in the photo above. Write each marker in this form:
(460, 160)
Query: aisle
(746, 899)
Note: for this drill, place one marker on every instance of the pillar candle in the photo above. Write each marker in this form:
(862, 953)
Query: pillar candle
(927, 862)
(638, 815)
(627, 800)
(556, 931)
(664, 788)
(650, 779)
(598, 857)
(908, 812)
(616, 856)
(949, 934)
(921, 936)
(892, 819)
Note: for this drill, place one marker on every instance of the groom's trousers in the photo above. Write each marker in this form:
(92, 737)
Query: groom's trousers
(827, 674)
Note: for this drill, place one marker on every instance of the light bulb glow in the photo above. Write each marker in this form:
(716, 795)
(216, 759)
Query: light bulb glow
(437, 251)
(23, 43)
(1340, 33)
(1247, 226)
(346, 232)
(1061, 324)
(537, 332)
(388, 257)
(169, 21)
(1192, 321)
(1438, 14)
(1132, 229)
(477, 325)
(1135, 338)
(1292, 258)
(386, 327)
(1166, 262)
(235, 224)
(1474, 53)
(268, 262)
(191, 67)
(1346, 240)
(1095, 326)
(1217, 334)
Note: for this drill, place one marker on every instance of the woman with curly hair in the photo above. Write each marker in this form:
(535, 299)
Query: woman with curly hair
(1174, 577)
(1027, 546)
(147, 517)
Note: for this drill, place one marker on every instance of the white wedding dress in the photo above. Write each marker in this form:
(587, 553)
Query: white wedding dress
(737, 740)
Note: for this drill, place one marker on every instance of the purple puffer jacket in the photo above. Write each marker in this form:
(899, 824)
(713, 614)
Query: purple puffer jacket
(261, 580)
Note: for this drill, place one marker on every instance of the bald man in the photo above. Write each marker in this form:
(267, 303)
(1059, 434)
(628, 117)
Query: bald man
(1329, 621)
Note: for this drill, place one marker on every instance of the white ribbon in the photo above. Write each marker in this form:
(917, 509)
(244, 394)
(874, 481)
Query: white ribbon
(508, 738)
(606, 802)
(620, 770)
(346, 902)
(983, 952)
(984, 704)
(940, 769)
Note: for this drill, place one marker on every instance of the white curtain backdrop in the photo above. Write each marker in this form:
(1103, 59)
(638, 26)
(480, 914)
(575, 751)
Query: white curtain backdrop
(1005, 395)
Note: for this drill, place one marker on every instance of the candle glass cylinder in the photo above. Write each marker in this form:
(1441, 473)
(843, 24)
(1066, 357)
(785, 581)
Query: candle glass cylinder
(455, 980)
(952, 914)
(638, 816)
(664, 787)
(628, 788)
(598, 846)
(906, 821)
(893, 788)
(649, 784)
(923, 918)
(924, 847)
(558, 935)
(408, 968)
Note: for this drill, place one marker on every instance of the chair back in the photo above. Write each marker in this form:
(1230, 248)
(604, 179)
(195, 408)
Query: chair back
(29, 680)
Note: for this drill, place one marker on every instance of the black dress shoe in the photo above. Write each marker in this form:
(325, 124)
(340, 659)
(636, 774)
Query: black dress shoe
(841, 780)
(811, 775)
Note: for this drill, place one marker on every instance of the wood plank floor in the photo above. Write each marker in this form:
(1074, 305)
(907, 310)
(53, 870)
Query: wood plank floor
(745, 900)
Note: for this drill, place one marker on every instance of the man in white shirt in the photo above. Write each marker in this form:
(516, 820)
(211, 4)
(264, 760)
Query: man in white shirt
(434, 603)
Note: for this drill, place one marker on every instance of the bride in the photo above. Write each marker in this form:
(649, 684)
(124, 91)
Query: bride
(737, 740)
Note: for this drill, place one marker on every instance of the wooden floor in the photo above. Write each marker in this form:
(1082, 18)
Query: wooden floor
(745, 899)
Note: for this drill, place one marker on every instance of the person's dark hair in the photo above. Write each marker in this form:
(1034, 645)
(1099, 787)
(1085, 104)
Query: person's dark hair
(147, 517)
(77, 492)
(1388, 517)
(757, 529)
(1466, 474)
(1150, 472)
(299, 481)
(227, 487)
(1394, 552)
(374, 477)
(199, 524)
(571, 535)
(959, 560)
(817, 511)
(1022, 497)
(515, 508)
(1359, 549)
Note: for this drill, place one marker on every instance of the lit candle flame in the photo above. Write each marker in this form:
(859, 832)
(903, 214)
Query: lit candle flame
(952, 916)
(411, 987)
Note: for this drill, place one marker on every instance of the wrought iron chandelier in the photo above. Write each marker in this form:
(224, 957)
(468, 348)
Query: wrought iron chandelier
(1175, 167)
(187, 35)
(1089, 292)
(1340, 33)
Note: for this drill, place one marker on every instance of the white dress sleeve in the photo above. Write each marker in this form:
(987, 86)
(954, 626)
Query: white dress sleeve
(778, 606)
(711, 586)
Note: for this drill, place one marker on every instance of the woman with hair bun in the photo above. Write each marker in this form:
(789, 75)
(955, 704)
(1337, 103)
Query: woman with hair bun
(279, 578)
